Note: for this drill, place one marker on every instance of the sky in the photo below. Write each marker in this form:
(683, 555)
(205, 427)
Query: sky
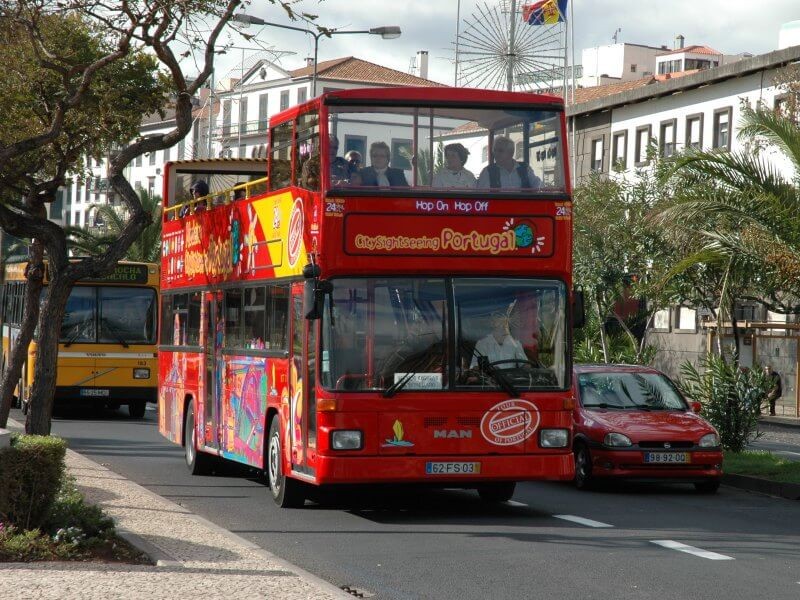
(729, 26)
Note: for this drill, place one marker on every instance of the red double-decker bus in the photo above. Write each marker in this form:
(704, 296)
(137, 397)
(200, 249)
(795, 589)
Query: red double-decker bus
(387, 299)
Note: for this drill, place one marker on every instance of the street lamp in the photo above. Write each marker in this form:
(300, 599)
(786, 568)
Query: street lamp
(387, 32)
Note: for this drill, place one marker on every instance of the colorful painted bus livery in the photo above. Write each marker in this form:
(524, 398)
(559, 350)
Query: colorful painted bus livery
(331, 332)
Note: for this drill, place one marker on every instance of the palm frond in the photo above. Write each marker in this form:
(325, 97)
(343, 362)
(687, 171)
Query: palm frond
(778, 130)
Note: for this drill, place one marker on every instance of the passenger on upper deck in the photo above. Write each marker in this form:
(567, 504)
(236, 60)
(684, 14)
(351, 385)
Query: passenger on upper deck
(453, 174)
(240, 193)
(507, 173)
(340, 168)
(380, 173)
(198, 190)
(353, 158)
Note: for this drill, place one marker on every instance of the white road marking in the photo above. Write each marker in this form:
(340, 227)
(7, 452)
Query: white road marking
(515, 503)
(673, 545)
(582, 521)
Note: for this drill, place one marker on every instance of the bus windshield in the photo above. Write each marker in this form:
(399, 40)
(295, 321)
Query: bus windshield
(459, 149)
(444, 333)
(109, 315)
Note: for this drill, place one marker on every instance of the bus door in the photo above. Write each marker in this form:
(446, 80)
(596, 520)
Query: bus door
(303, 404)
(214, 367)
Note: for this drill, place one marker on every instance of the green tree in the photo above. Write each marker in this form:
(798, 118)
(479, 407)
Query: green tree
(77, 77)
(147, 248)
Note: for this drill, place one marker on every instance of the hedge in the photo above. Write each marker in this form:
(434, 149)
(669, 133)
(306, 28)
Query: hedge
(31, 472)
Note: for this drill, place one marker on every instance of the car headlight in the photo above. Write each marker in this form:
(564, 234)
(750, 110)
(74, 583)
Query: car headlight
(709, 440)
(553, 438)
(141, 373)
(617, 440)
(344, 439)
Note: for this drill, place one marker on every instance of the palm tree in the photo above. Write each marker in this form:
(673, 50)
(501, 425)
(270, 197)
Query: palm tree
(146, 249)
(744, 211)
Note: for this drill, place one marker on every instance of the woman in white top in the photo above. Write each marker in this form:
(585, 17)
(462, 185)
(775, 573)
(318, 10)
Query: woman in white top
(454, 175)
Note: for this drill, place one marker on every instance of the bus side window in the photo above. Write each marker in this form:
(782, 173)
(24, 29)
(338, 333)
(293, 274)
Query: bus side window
(280, 164)
(234, 329)
(278, 317)
(254, 316)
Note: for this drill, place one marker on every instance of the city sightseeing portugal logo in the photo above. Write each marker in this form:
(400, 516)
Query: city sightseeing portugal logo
(525, 235)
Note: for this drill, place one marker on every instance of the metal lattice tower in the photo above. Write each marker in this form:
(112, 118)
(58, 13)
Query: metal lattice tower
(496, 49)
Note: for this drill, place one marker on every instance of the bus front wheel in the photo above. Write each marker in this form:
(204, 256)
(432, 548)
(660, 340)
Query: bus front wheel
(497, 492)
(197, 462)
(136, 409)
(286, 492)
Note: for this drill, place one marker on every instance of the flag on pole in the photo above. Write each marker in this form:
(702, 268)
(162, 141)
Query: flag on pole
(545, 12)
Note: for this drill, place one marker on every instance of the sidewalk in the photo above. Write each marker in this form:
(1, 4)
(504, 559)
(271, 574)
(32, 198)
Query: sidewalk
(195, 558)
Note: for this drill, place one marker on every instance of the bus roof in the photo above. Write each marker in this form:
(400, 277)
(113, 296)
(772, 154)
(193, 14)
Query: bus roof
(437, 95)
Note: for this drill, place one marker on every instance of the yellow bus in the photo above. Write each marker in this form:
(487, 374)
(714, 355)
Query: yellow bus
(107, 352)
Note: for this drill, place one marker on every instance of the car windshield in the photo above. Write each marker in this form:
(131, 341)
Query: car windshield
(460, 149)
(396, 334)
(629, 390)
(109, 314)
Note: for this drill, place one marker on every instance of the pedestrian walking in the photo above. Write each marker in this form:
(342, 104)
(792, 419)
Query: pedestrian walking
(776, 388)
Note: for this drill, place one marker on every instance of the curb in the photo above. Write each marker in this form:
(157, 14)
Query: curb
(789, 491)
(156, 555)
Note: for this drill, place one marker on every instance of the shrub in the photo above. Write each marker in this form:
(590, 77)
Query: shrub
(70, 516)
(31, 472)
(731, 397)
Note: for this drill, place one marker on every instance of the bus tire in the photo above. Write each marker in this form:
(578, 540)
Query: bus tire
(502, 491)
(136, 409)
(197, 462)
(285, 491)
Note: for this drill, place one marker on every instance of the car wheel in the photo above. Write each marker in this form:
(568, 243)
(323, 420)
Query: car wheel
(497, 492)
(583, 467)
(198, 462)
(286, 492)
(707, 487)
(136, 409)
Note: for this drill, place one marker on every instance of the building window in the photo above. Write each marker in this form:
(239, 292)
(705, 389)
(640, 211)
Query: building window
(302, 95)
(226, 117)
(242, 116)
(619, 149)
(401, 153)
(242, 150)
(669, 66)
(263, 112)
(597, 155)
(181, 149)
(153, 158)
(697, 63)
(284, 99)
(642, 140)
(633, 67)
(722, 128)
(661, 320)
(166, 154)
(666, 138)
(357, 143)
(686, 319)
(694, 131)
(138, 161)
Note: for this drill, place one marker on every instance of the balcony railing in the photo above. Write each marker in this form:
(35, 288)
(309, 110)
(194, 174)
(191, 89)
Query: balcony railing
(234, 130)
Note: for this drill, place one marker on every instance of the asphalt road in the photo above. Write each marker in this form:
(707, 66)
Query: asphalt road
(550, 542)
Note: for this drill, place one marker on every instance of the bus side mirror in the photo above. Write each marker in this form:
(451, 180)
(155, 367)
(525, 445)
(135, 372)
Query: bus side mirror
(578, 310)
(312, 300)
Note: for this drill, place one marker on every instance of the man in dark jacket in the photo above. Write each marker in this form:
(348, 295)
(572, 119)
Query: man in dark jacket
(380, 173)
(776, 388)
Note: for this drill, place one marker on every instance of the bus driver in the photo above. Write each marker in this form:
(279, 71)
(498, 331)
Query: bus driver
(498, 344)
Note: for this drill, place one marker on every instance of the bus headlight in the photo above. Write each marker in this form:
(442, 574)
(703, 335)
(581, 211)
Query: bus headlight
(553, 438)
(141, 373)
(344, 439)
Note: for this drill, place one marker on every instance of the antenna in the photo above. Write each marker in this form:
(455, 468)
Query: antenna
(616, 34)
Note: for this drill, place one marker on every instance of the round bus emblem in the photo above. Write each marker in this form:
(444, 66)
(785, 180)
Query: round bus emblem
(295, 232)
(510, 422)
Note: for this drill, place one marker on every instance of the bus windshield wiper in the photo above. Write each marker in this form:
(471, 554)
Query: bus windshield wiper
(114, 331)
(398, 385)
(74, 336)
(501, 380)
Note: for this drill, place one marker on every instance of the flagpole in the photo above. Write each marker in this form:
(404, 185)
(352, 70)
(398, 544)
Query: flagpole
(510, 54)
(458, 31)
(572, 37)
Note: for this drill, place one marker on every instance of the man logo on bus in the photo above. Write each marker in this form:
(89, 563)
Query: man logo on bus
(295, 232)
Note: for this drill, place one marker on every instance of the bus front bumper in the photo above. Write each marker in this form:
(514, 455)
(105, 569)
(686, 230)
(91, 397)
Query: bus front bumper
(450, 469)
(117, 395)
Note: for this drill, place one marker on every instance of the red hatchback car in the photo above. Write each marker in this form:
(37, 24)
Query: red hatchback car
(631, 422)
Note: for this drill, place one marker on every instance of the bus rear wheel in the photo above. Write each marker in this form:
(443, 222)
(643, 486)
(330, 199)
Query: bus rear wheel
(286, 492)
(497, 492)
(197, 462)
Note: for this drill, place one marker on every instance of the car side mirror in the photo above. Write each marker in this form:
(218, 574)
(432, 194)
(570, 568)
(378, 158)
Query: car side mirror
(696, 407)
(578, 310)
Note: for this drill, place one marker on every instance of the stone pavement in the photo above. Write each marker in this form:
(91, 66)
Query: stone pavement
(195, 558)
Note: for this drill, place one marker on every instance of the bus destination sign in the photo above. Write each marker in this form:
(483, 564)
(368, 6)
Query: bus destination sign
(134, 274)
